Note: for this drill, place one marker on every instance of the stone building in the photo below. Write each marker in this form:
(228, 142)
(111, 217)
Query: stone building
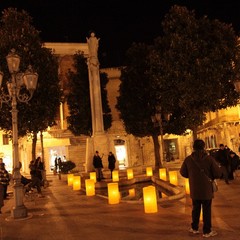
(130, 151)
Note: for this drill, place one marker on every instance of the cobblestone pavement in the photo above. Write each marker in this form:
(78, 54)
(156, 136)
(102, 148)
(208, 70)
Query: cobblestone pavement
(64, 214)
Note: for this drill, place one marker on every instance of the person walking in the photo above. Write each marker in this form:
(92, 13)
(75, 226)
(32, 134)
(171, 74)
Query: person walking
(195, 167)
(97, 163)
(111, 162)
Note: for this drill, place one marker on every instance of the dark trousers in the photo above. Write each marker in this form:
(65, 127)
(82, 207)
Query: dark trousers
(225, 173)
(206, 206)
(99, 174)
(36, 182)
(5, 186)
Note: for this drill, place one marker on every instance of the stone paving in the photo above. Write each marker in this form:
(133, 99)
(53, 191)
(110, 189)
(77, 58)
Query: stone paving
(71, 215)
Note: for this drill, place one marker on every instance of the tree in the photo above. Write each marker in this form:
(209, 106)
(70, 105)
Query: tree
(16, 31)
(186, 72)
(191, 66)
(78, 98)
(135, 102)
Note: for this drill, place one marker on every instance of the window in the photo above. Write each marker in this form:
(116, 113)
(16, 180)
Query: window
(5, 139)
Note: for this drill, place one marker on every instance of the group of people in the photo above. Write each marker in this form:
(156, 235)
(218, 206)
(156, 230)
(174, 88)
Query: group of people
(229, 162)
(201, 169)
(98, 165)
(36, 168)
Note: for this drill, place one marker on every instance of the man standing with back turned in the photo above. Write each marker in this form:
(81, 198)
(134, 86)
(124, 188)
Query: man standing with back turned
(195, 167)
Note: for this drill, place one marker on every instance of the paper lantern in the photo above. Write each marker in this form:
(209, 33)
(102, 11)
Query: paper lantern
(149, 171)
(113, 193)
(163, 174)
(115, 176)
(187, 188)
(173, 177)
(93, 176)
(70, 179)
(90, 187)
(76, 183)
(150, 199)
(131, 192)
(129, 173)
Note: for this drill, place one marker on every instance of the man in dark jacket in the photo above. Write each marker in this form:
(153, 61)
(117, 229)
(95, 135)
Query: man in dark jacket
(97, 163)
(111, 162)
(196, 167)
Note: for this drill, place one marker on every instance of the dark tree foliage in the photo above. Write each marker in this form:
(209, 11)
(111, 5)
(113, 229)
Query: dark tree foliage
(134, 102)
(191, 67)
(17, 32)
(187, 72)
(78, 99)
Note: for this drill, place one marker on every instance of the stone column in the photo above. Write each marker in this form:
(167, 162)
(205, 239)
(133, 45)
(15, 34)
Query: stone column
(94, 84)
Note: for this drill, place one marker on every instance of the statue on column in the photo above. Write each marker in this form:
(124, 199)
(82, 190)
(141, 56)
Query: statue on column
(93, 51)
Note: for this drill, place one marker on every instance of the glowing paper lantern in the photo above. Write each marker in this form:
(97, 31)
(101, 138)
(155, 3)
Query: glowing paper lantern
(150, 199)
(76, 183)
(90, 187)
(132, 192)
(149, 171)
(93, 176)
(70, 179)
(187, 189)
(115, 176)
(163, 174)
(129, 173)
(173, 177)
(113, 193)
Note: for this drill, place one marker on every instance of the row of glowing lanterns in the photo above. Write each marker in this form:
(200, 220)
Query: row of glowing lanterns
(149, 192)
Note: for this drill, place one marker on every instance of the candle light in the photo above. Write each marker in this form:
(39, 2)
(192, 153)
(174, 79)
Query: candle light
(132, 192)
(70, 179)
(173, 177)
(76, 183)
(163, 174)
(187, 188)
(90, 187)
(93, 176)
(129, 173)
(149, 171)
(113, 193)
(150, 199)
(115, 176)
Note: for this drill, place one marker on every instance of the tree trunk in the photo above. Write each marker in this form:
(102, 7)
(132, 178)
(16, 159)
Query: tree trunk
(158, 162)
(194, 130)
(34, 144)
(43, 161)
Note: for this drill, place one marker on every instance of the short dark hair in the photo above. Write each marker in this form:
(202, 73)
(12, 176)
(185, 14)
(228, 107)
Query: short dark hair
(221, 145)
(198, 144)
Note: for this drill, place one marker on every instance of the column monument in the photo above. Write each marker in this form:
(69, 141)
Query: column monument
(98, 141)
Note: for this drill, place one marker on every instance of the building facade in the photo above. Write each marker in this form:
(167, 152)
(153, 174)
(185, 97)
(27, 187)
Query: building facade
(130, 151)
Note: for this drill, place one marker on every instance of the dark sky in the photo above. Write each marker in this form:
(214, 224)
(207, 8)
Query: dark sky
(117, 23)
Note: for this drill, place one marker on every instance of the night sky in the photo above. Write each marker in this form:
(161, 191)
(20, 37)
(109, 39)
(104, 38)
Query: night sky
(117, 23)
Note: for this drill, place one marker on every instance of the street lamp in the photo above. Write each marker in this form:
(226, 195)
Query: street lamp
(17, 86)
(158, 122)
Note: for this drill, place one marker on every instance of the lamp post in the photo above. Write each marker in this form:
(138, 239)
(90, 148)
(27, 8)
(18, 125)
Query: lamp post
(16, 85)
